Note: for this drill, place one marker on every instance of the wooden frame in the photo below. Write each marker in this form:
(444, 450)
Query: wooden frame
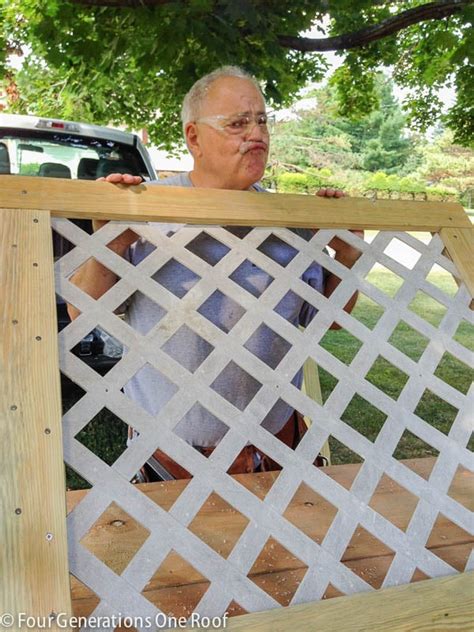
(32, 525)
(80, 199)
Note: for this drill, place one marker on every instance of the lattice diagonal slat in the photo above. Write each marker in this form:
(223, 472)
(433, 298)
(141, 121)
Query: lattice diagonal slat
(168, 530)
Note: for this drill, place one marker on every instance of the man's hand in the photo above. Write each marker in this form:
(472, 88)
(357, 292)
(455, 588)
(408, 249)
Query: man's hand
(126, 239)
(329, 192)
(344, 253)
(122, 178)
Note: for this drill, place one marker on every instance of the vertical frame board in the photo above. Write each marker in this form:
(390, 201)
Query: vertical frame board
(459, 243)
(33, 554)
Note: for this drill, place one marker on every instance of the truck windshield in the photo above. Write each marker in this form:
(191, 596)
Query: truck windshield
(54, 155)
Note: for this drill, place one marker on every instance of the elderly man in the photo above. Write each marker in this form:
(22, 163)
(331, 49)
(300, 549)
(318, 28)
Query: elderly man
(226, 131)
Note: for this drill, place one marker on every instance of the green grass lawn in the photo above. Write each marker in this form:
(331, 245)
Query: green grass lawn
(105, 435)
(364, 417)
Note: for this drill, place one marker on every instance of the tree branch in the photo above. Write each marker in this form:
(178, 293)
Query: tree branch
(431, 11)
(123, 4)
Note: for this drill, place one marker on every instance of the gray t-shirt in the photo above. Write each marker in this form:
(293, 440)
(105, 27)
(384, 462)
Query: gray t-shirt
(152, 390)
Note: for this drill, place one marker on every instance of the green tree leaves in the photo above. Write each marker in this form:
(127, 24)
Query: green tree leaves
(370, 156)
(133, 64)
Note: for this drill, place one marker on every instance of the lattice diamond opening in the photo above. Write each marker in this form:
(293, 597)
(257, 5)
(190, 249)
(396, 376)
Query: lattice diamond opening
(187, 348)
(235, 610)
(370, 570)
(252, 278)
(105, 435)
(71, 393)
(408, 340)
(328, 383)
(99, 350)
(332, 592)
(87, 598)
(287, 571)
(455, 373)
(387, 377)
(222, 311)
(367, 311)
(168, 274)
(340, 454)
(465, 335)
(428, 308)
(385, 280)
(398, 249)
(344, 349)
(399, 515)
(436, 411)
(442, 280)
(208, 525)
(161, 589)
(118, 525)
(364, 417)
(233, 374)
(75, 481)
(61, 245)
(444, 533)
(417, 448)
(271, 353)
(311, 513)
(276, 249)
(155, 312)
(208, 249)
(91, 291)
(457, 489)
(190, 425)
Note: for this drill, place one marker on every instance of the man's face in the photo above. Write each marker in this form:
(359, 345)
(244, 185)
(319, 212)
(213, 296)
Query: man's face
(223, 158)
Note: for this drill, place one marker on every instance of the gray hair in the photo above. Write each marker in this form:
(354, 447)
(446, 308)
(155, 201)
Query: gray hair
(193, 100)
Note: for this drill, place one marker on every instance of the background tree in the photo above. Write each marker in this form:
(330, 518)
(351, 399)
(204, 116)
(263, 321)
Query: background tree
(375, 155)
(384, 144)
(131, 61)
(442, 163)
(321, 137)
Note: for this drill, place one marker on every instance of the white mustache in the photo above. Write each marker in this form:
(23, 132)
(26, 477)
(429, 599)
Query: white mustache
(248, 145)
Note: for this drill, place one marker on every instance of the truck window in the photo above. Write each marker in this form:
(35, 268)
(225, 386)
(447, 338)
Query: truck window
(54, 155)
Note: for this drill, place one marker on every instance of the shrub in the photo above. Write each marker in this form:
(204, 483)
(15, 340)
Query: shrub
(439, 192)
(308, 182)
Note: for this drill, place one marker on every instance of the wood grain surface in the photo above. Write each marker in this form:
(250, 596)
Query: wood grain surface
(33, 551)
(101, 200)
(177, 587)
(436, 605)
(459, 243)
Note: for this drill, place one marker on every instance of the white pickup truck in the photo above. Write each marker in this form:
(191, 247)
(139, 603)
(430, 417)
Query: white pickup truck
(33, 146)
(52, 148)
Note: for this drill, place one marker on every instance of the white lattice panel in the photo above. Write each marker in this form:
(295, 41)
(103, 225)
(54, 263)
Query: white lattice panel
(167, 530)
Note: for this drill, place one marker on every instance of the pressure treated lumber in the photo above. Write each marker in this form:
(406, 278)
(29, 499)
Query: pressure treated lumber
(177, 587)
(33, 552)
(459, 243)
(179, 600)
(102, 200)
(436, 605)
